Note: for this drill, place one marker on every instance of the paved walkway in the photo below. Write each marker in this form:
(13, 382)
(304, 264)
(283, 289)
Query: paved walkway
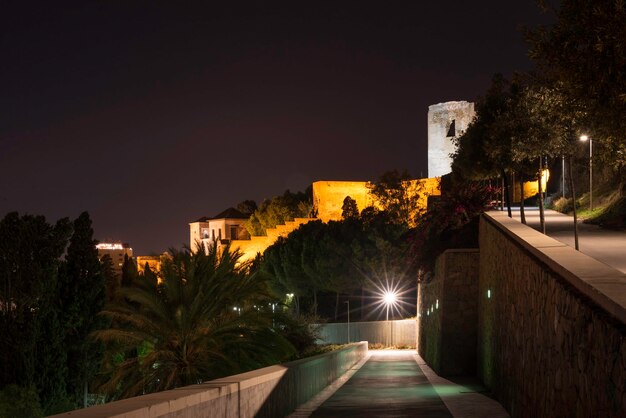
(396, 383)
(602, 244)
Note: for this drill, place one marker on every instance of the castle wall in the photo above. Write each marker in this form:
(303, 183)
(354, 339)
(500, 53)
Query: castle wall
(328, 196)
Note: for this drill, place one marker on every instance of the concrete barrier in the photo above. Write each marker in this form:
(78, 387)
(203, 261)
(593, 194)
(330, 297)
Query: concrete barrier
(397, 333)
(273, 391)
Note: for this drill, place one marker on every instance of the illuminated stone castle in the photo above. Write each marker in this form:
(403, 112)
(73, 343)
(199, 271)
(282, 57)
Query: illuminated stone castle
(446, 121)
(328, 196)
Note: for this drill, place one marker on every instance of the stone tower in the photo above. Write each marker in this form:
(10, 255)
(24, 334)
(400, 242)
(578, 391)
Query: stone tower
(446, 121)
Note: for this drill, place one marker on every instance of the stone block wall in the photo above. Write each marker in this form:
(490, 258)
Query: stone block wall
(273, 391)
(551, 325)
(448, 307)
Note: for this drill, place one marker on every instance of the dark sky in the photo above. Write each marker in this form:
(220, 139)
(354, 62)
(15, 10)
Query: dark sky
(150, 115)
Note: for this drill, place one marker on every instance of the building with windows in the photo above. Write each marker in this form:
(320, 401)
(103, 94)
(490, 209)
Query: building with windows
(115, 250)
(220, 229)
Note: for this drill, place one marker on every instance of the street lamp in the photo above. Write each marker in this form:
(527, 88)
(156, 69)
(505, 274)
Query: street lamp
(389, 298)
(348, 302)
(585, 138)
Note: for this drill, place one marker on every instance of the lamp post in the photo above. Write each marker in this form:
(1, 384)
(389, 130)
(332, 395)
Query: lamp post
(563, 175)
(585, 138)
(348, 302)
(389, 298)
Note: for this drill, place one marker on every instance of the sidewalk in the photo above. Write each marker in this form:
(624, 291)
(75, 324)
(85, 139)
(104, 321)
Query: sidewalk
(604, 245)
(396, 383)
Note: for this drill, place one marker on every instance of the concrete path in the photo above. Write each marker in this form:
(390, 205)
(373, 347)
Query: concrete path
(604, 245)
(393, 383)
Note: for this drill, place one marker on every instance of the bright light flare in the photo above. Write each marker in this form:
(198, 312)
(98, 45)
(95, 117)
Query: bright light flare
(584, 138)
(390, 297)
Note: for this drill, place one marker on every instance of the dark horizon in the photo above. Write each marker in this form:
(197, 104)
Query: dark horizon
(152, 115)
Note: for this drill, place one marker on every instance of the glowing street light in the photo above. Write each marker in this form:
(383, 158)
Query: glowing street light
(389, 299)
(585, 138)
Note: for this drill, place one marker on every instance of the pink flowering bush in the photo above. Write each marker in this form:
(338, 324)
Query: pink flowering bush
(451, 221)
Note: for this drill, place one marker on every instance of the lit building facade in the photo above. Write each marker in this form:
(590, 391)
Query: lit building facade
(220, 229)
(115, 250)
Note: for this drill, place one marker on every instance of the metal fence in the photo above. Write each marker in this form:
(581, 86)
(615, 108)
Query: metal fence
(389, 333)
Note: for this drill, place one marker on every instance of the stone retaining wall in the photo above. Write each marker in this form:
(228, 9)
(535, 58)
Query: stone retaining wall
(273, 391)
(551, 325)
(448, 306)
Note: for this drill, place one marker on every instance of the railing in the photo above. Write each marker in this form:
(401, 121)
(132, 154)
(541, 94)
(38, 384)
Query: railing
(273, 391)
(399, 333)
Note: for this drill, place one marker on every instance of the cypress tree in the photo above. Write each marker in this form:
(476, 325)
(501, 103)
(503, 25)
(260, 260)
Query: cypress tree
(129, 271)
(82, 296)
(32, 349)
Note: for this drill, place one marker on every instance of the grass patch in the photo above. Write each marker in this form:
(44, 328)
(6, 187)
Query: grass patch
(613, 216)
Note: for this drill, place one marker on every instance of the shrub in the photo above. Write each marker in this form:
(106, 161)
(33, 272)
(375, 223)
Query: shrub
(17, 401)
(451, 222)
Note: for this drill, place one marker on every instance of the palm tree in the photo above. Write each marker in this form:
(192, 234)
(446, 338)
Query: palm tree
(206, 318)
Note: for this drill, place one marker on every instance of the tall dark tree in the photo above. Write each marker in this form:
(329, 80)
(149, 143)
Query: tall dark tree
(111, 278)
(32, 337)
(349, 209)
(583, 54)
(129, 271)
(81, 297)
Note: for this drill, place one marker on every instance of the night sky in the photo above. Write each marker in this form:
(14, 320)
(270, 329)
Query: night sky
(150, 115)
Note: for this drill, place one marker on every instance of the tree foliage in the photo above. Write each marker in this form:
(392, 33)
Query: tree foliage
(82, 295)
(129, 272)
(451, 222)
(186, 329)
(349, 209)
(44, 325)
(583, 55)
(398, 195)
(339, 258)
(278, 210)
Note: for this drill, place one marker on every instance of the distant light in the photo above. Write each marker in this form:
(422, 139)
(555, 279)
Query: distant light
(109, 246)
(488, 293)
(437, 304)
(584, 138)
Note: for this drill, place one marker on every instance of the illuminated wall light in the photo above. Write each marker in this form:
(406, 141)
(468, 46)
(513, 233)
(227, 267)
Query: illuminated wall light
(437, 304)
(488, 293)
